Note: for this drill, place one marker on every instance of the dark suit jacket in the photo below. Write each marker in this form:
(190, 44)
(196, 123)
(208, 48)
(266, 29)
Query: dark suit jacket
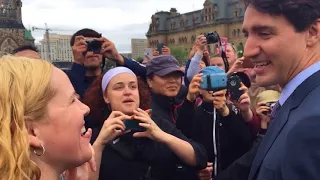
(290, 149)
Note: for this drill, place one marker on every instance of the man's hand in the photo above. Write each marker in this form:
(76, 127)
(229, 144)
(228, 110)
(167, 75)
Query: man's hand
(219, 102)
(206, 174)
(109, 51)
(78, 50)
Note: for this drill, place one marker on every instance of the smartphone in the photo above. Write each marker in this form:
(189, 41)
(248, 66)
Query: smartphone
(147, 51)
(159, 47)
(133, 125)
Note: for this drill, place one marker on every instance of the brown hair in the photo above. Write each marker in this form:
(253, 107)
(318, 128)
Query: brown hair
(99, 109)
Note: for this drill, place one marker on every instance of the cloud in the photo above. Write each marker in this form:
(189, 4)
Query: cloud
(118, 20)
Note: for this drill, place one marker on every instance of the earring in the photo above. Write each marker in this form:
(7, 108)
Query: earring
(43, 150)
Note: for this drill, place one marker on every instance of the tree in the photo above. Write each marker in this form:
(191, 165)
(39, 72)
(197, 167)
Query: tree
(240, 50)
(139, 58)
(180, 54)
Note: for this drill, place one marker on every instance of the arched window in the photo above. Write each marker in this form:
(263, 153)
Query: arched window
(234, 33)
(238, 32)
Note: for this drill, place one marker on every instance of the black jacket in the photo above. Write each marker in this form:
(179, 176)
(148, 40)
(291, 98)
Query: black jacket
(166, 107)
(135, 159)
(232, 136)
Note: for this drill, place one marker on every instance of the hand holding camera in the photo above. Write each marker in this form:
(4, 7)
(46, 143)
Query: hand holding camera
(202, 42)
(109, 51)
(78, 49)
(112, 128)
(220, 102)
(263, 111)
(194, 88)
(244, 102)
(152, 130)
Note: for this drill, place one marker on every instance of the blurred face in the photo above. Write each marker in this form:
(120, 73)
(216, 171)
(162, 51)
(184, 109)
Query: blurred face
(217, 61)
(274, 47)
(202, 65)
(231, 55)
(29, 54)
(61, 130)
(207, 95)
(92, 61)
(168, 85)
(122, 93)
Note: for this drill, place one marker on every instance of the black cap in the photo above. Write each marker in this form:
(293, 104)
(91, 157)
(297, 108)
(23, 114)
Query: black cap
(163, 65)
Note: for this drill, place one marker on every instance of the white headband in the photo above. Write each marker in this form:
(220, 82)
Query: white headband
(112, 73)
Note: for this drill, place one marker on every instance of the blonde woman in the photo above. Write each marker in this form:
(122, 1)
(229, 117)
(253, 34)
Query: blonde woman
(42, 130)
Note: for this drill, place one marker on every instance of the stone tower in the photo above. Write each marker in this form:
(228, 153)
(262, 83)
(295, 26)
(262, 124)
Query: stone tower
(12, 31)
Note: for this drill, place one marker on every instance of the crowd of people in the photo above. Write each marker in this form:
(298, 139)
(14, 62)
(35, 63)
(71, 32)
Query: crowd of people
(154, 120)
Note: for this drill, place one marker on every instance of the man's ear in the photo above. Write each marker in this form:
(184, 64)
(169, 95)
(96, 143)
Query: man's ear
(149, 81)
(314, 33)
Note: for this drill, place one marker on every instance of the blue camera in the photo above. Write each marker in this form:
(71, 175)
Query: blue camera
(213, 79)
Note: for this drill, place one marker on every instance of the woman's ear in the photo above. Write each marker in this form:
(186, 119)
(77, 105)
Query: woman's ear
(34, 141)
(106, 99)
(149, 81)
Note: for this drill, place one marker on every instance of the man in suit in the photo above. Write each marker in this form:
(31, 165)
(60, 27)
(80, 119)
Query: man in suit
(283, 42)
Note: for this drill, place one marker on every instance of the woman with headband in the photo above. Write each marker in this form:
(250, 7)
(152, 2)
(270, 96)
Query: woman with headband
(42, 130)
(129, 144)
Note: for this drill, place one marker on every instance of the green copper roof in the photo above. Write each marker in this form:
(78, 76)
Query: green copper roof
(28, 35)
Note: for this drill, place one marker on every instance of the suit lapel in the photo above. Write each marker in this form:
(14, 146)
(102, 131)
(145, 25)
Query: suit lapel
(271, 135)
(281, 119)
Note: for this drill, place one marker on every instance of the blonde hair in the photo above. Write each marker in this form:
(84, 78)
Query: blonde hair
(24, 94)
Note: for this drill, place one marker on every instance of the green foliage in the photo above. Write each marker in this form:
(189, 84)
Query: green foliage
(139, 58)
(240, 49)
(180, 54)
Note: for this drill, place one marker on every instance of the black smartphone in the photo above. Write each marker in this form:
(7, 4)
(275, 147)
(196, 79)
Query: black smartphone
(234, 84)
(133, 125)
(159, 47)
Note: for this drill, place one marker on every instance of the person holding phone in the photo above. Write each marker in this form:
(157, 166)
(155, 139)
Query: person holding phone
(215, 125)
(130, 144)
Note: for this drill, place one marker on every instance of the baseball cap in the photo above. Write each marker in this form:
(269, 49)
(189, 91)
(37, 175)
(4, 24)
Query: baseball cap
(163, 65)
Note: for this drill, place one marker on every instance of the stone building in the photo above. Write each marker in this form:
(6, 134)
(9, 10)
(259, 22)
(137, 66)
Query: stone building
(180, 30)
(12, 31)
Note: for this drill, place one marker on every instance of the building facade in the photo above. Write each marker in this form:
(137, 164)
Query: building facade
(60, 49)
(180, 30)
(12, 31)
(138, 46)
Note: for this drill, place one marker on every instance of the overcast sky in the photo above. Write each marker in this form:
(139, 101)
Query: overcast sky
(117, 20)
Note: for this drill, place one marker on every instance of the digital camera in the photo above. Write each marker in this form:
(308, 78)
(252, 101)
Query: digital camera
(271, 105)
(212, 37)
(215, 81)
(94, 46)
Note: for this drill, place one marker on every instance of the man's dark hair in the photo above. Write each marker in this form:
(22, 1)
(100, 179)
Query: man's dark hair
(300, 13)
(24, 48)
(85, 33)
